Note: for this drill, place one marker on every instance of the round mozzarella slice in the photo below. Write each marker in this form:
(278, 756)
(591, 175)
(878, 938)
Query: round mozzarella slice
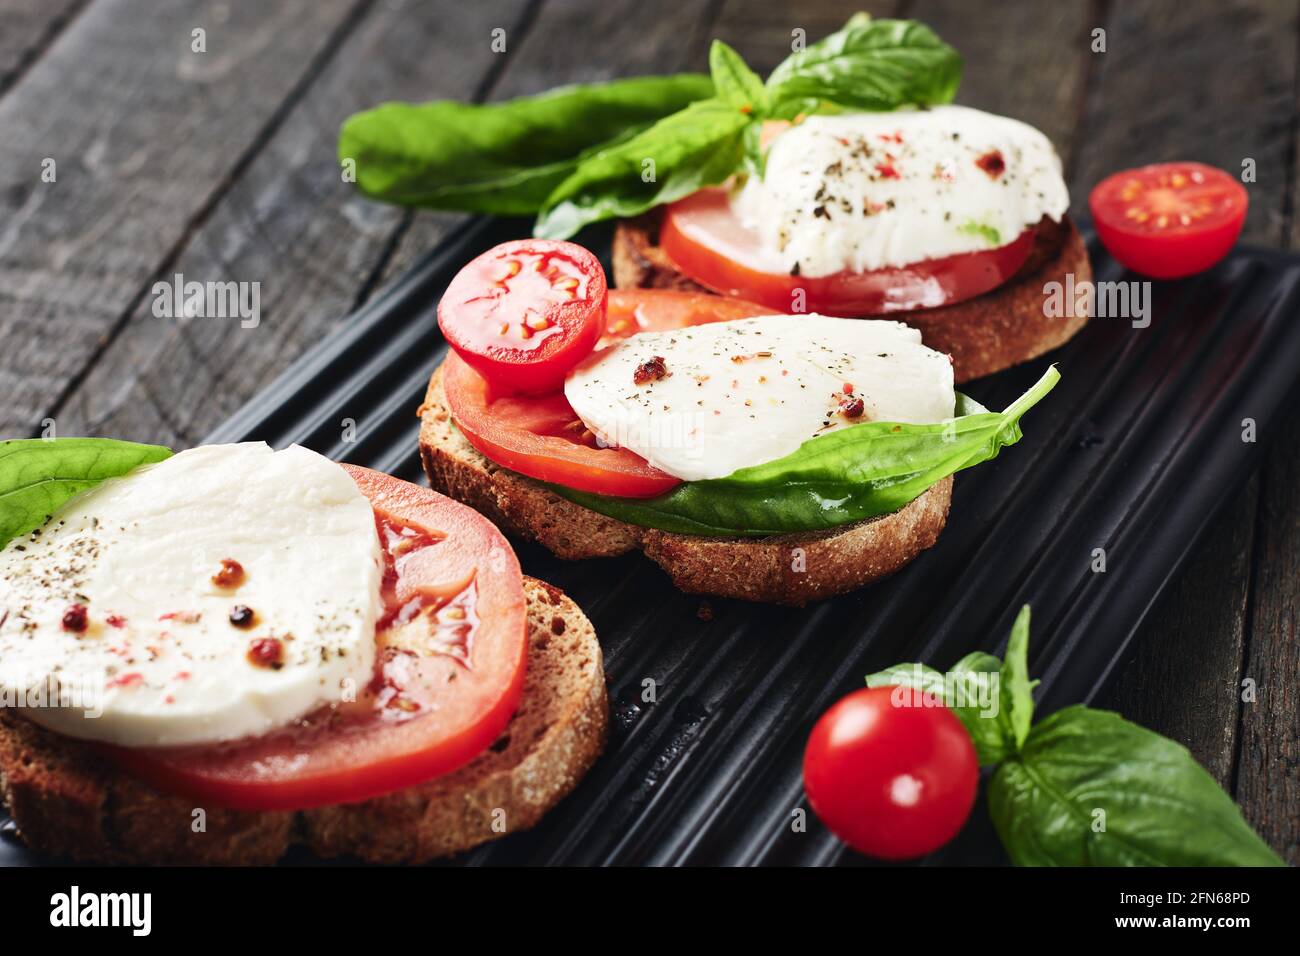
(704, 401)
(117, 625)
(864, 191)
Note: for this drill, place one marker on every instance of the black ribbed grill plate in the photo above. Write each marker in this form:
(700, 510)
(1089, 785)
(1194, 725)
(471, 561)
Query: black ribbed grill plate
(1133, 452)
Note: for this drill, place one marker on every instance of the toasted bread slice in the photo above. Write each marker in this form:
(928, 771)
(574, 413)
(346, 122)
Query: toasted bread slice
(782, 569)
(983, 335)
(69, 801)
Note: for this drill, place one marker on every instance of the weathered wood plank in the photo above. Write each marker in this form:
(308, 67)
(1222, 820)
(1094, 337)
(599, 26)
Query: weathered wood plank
(1268, 758)
(291, 224)
(30, 26)
(1195, 79)
(144, 133)
(574, 41)
(1268, 768)
(1214, 82)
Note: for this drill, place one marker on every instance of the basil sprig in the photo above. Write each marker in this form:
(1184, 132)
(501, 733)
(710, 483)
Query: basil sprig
(580, 154)
(502, 158)
(38, 475)
(1083, 787)
(867, 65)
(847, 475)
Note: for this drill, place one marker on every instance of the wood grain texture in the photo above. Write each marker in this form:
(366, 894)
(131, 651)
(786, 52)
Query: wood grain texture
(1268, 767)
(1268, 755)
(1214, 82)
(145, 133)
(1195, 79)
(291, 224)
(30, 26)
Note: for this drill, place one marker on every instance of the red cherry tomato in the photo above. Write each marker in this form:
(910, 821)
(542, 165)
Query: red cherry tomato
(707, 242)
(891, 781)
(1169, 220)
(525, 312)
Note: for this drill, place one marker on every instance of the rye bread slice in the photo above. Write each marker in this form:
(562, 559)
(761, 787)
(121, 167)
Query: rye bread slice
(68, 801)
(782, 569)
(983, 335)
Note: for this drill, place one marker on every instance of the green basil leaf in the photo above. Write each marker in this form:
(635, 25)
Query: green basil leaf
(755, 155)
(38, 475)
(843, 476)
(1016, 688)
(867, 65)
(1091, 789)
(742, 88)
(699, 146)
(969, 690)
(734, 81)
(502, 158)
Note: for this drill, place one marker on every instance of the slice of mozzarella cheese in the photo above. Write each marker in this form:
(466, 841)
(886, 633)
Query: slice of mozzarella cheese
(746, 392)
(863, 191)
(159, 661)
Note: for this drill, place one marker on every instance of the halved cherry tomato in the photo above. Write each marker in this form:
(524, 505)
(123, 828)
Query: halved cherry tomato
(449, 673)
(1170, 219)
(707, 242)
(542, 437)
(893, 779)
(525, 312)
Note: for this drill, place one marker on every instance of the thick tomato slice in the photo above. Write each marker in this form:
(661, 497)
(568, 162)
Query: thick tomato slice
(661, 310)
(525, 312)
(1169, 220)
(540, 435)
(449, 671)
(707, 242)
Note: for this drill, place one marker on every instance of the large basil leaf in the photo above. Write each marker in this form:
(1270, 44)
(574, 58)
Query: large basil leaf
(970, 690)
(38, 475)
(1091, 789)
(502, 158)
(700, 146)
(867, 65)
(860, 472)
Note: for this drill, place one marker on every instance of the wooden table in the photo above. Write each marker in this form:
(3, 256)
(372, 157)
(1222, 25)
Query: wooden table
(220, 165)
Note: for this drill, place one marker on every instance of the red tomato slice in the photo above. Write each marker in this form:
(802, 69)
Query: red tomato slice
(661, 310)
(525, 312)
(1171, 219)
(542, 437)
(707, 242)
(449, 672)
(892, 780)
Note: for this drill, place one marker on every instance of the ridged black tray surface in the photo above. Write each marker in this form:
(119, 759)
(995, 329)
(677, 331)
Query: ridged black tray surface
(1133, 452)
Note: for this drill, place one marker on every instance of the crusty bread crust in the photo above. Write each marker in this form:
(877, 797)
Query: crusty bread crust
(69, 801)
(983, 335)
(783, 569)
